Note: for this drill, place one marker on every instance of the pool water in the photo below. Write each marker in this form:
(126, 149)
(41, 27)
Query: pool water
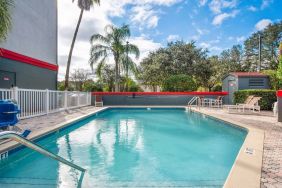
(131, 148)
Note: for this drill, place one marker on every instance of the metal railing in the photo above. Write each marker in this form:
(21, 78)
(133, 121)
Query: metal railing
(192, 101)
(34, 102)
(14, 136)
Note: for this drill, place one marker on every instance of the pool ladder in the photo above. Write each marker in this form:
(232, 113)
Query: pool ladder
(14, 136)
(192, 101)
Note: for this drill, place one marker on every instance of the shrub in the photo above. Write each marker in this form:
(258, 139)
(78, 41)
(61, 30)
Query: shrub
(90, 85)
(179, 82)
(217, 87)
(273, 79)
(268, 97)
(279, 70)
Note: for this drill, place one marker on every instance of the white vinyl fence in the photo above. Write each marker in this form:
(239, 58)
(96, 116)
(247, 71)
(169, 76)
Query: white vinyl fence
(41, 102)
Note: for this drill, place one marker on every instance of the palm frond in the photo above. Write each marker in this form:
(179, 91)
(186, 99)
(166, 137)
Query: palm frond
(127, 64)
(100, 67)
(86, 4)
(95, 56)
(133, 49)
(5, 17)
(123, 32)
(99, 47)
(99, 38)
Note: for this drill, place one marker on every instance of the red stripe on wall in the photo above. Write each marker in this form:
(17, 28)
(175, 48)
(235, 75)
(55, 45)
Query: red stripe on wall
(161, 93)
(28, 60)
(279, 93)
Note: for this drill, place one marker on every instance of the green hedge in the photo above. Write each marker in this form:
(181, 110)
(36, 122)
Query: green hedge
(268, 97)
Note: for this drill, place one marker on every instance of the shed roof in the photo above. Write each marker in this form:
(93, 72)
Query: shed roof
(248, 74)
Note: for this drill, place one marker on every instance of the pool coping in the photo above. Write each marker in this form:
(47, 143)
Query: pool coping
(246, 169)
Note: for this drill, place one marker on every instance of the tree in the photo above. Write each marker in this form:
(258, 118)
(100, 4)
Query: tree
(279, 70)
(175, 59)
(179, 82)
(274, 82)
(78, 77)
(107, 76)
(113, 43)
(5, 17)
(271, 36)
(90, 86)
(84, 5)
(151, 71)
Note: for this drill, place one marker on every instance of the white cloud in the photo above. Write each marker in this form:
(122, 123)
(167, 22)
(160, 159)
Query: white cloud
(214, 41)
(171, 38)
(230, 38)
(252, 8)
(144, 15)
(199, 33)
(145, 45)
(221, 17)
(265, 3)
(210, 46)
(240, 39)
(156, 2)
(202, 31)
(262, 24)
(202, 2)
(205, 45)
(215, 49)
(216, 6)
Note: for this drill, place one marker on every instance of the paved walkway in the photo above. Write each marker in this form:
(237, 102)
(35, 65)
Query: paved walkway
(43, 122)
(271, 176)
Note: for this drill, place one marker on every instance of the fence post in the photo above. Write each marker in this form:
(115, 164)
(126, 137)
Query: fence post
(78, 100)
(47, 101)
(89, 98)
(66, 100)
(86, 98)
(15, 94)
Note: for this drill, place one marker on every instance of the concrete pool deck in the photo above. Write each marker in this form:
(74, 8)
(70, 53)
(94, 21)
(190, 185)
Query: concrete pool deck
(265, 134)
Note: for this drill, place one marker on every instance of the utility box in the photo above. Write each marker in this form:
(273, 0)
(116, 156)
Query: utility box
(235, 81)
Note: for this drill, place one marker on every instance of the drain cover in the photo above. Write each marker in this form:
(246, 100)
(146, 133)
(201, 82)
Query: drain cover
(250, 151)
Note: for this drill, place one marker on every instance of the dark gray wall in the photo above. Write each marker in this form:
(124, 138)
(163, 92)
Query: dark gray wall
(29, 76)
(244, 83)
(112, 100)
(34, 29)
(279, 99)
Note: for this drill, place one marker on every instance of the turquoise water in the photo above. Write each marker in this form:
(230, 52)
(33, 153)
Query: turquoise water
(131, 148)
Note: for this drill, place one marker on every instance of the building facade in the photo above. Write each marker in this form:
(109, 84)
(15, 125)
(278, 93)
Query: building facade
(28, 57)
(235, 81)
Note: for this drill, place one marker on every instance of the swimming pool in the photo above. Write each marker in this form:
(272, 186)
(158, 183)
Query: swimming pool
(133, 147)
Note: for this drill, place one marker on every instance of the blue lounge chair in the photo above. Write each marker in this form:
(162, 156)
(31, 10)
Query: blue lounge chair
(8, 113)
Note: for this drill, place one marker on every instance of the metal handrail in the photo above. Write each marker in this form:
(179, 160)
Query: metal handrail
(14, 136)
(192, 101)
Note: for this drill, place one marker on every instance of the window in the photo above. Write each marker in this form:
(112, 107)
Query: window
(256, 82)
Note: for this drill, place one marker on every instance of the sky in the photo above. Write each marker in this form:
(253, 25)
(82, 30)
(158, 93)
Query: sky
(213, 24)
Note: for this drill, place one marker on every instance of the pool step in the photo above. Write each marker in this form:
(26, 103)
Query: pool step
(8, 182)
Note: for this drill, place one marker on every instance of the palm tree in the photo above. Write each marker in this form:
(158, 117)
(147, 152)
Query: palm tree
(5, 17)
(113, 43)
(84, 5)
